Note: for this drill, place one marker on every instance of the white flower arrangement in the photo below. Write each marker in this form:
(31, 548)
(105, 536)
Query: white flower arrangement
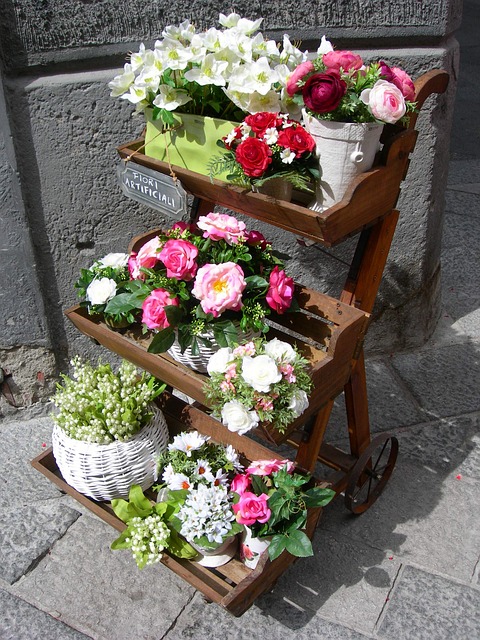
(99, 406)
(260, 381)
(211, 73)
(148, 538)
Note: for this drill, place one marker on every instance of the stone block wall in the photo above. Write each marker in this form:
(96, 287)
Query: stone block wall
(61, 203)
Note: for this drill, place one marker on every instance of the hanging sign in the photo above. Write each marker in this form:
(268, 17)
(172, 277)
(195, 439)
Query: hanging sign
(153, 189)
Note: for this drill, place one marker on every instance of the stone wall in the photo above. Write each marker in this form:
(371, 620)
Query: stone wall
(61, 203)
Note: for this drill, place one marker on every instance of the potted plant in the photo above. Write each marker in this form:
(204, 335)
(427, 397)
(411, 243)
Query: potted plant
(259, 382)
(345, 106)
(209, 284)
(273, 506)
(193, 84)
(270, 153)
(107, 431)
(196, 476)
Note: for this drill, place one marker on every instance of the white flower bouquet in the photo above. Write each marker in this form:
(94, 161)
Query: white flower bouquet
(260, 381)
(222, 73)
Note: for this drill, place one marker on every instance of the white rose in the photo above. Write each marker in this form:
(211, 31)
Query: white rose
(219, 361)
(299, 402)
(114, 260)
(280, 351)
(101, 291)
(260, 372)
(236, 417)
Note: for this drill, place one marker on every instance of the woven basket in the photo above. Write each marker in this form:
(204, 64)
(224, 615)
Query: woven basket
(107, 471)
(199, 362)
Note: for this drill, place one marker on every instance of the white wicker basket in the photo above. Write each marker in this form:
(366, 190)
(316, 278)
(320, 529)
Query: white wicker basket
(199, 362)
(107, 471)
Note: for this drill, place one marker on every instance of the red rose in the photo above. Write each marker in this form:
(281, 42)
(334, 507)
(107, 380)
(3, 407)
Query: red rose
(346, 60)
(256, 239)
(254, 156)
(259, 122)
(296, 139)
(280, 292)
(323, 92)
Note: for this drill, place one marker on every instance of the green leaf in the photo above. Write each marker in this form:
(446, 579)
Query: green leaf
(137, 499)
(179, 547)
(120, 543)
(174, 314)
(255, 282)
(277, 546)
(317, 497)
(121, 510)
(120, 304)
(298, 544)
(162, 341)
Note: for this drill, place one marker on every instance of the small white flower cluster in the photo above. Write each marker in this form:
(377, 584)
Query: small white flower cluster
(98, 405)
(207, 511)
(149, 537)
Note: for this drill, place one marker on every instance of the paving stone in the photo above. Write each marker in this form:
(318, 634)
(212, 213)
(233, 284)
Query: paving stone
(21, 621)
(22, 441)
(424, 516)
(463, 171)
(346, 582)
(28, 532)
(449, 445)
(444, 381)
(202, 620)
(425, 606)
(102, 592)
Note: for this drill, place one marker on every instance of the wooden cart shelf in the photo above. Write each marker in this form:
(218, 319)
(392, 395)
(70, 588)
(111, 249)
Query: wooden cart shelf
(329, 331)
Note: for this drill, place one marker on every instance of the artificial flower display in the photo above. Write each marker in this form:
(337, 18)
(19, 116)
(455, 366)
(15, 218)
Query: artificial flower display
(338, 86)
(100, 405)
(206, 276)
(274, 502)
(223, 73)
(260, 381)
(266, 146)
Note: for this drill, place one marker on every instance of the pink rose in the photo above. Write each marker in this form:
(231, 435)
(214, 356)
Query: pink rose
(346, 60)
(298, 74)
(251, 509)
(133, 269)
(266, 467)
(179, 258)
(240, 483)
(153, 308)
(219, 287)
(399, 78)
(220, 226)
(147, 257)
(280, 293)
(385, 101)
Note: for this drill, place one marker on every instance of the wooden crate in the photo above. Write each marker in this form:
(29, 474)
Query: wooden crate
(232, 586)
(327, 332)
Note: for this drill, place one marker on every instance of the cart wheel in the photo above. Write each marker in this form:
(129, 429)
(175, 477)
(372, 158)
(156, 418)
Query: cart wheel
(371, 472)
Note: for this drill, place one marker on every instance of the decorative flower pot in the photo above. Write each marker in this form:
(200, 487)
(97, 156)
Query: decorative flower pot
(251, 548)
(190, 142)
(199, 362)
(107, 471)
(216, 557)
(276, 188)
(345, 150)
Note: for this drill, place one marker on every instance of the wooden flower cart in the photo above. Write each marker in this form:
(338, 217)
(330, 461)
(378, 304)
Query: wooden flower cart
(329, 331)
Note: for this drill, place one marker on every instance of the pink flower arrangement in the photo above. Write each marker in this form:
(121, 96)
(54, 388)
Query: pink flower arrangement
(339, 86)
(204, 276)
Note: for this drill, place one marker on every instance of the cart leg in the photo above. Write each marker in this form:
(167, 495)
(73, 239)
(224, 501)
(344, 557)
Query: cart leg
(309, 449)
(356, 402)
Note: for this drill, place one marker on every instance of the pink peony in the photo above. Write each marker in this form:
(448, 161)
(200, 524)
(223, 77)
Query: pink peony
(385, 101)
(266, 467)
(399, 78)
(298, 74)
(346, 60)
(220, 226)
(323, 92)
(179, 258)
(280, 293)
(219, 287)
(251, 509)
(153, 308)
(240, 483)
